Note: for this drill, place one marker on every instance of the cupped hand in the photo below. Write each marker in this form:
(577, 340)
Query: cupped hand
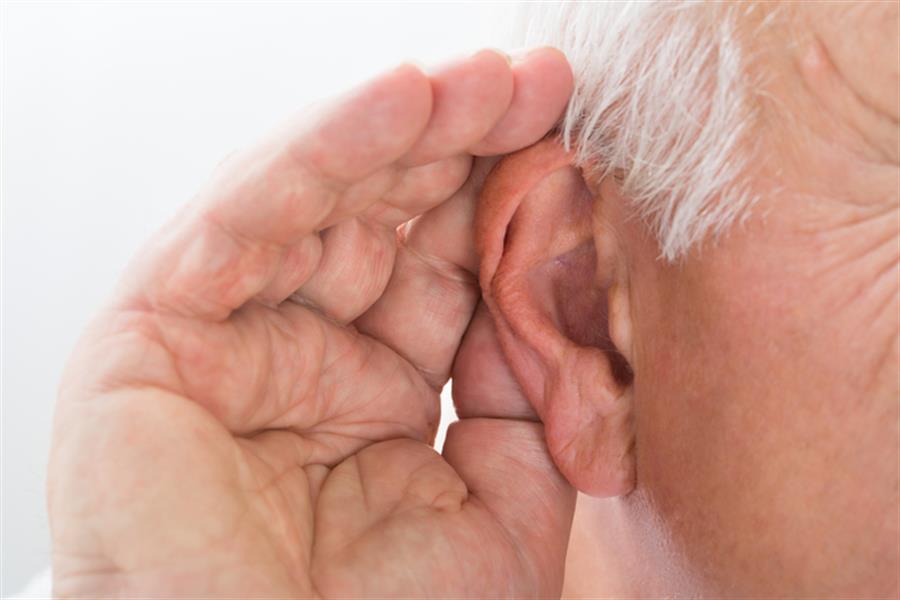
(251, 414)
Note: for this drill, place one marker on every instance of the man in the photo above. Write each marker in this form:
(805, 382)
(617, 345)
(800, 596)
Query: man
(683, 302)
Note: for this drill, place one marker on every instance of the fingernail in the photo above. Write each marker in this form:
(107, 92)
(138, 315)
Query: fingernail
(517, 54)
(498, 52)
(410, 63)
(522, 54)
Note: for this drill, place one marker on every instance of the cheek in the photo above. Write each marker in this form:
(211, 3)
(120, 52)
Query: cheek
(702, 432)
(693, 439)
(742, 426)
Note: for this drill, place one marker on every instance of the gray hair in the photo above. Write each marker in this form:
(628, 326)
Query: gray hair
(662, 103)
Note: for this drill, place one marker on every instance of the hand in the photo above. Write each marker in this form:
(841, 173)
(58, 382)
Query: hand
(214, 437)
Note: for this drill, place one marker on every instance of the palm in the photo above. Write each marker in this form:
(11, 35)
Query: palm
(244, 520)
(240, 444)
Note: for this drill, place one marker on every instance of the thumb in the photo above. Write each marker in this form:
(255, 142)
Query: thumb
(507, 468)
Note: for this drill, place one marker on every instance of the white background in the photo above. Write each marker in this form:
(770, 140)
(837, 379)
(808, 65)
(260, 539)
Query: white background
(112, 116)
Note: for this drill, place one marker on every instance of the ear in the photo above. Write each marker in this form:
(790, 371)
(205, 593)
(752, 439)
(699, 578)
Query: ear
(551, 277)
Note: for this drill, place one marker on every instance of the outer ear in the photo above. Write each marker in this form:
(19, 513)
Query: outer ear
(549, 277)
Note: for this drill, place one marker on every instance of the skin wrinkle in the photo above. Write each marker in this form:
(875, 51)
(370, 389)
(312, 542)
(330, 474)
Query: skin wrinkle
(323, 292)
(359, 469)
(288, 525)
(369, 348)
(407, 491)
(867, 15)
(263, 381)
(399, 191)
(509, 538)
(245, 248)
(315, 366)
(398, 426)
(120, 382)
(445, 270)
(816, 60)
(322, 421)
(179, 374)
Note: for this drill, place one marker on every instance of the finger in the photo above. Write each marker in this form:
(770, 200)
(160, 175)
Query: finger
(421, 189)
(483, 383)
(429, 300)
(468, 102)
(543, 85)
(391, 522)
(357, 259)
(509, 473)
(380, 481)
(227, 247)
(297, 263)
(358, 255)
(267, 368)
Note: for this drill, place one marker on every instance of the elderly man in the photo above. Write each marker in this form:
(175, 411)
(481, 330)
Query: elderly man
(680, 298)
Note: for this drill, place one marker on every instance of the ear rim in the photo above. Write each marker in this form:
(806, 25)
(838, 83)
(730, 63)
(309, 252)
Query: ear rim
(490, 213)
(559, 377)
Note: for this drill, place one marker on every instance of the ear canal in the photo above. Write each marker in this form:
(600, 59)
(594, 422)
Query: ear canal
(542, 283)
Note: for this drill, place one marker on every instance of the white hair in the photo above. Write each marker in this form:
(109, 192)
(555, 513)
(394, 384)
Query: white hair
(662, 103)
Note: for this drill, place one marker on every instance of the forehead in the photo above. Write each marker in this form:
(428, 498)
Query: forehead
(863, 41)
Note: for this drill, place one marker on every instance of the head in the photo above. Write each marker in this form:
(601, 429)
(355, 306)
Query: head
(697, 286)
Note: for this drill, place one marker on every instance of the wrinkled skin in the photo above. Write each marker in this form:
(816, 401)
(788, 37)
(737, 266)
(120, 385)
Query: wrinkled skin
(766, 389)
(760, 428)
(213, 438)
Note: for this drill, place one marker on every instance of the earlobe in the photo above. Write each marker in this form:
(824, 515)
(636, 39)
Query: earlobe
(546, 278)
